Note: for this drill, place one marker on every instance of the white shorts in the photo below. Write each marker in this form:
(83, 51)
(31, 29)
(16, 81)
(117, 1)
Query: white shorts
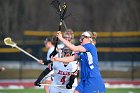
(55, 89)
(62, 89)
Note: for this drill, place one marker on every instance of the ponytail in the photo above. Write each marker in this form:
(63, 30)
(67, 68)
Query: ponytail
(93, 37)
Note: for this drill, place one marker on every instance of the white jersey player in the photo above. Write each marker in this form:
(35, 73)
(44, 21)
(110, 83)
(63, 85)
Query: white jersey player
(64, 74)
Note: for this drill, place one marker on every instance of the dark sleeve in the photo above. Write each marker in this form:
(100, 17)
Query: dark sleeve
(53, 53)
(46, 62)
(71, 81)
(42, 75)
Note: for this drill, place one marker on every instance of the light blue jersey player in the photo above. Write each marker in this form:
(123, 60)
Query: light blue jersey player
(90, 79)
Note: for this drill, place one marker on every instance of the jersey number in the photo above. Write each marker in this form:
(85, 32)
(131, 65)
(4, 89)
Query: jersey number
(63, 79)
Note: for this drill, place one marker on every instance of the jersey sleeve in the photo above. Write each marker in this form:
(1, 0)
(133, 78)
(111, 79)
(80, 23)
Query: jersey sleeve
(87, 47)
(49, 52)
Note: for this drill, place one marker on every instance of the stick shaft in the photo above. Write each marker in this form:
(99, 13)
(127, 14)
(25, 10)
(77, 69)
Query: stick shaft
(52, 85)
(65, 25)
(27, 53)
(64, 86)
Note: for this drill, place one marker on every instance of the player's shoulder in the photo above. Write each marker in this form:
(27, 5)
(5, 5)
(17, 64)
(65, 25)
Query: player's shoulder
(58, 64)
(59, 46)
(73, 64)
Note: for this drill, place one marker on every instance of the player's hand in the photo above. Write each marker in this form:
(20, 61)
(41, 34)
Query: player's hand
(41, 62)
(59, 34)
(69, 86)
(53, 58)
(37, 83)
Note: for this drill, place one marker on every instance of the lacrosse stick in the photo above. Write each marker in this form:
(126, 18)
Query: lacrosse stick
(57, 86)
(52, 85)
(8, 41)
(56, 5)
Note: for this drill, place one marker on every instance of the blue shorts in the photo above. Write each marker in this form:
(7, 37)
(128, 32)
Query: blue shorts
(90, 85)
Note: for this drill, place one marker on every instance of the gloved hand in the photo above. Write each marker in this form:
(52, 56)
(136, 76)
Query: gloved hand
(37, 83)
(69, 86)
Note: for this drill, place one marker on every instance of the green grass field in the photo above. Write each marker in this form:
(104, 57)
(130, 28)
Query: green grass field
(31, 90)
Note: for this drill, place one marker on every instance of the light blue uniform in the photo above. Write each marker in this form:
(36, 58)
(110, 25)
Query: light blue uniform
(90, 79)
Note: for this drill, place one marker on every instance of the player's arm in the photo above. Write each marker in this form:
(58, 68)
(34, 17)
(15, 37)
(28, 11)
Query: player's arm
(72, 78)
(70, 45)
(71, 81)
(54, 53)
(74, 48)
(44, 62)
(65, 59)
(41, 76)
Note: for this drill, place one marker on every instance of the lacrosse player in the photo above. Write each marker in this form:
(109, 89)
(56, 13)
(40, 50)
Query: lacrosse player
(90, 79)
(65, 73)
(49, 43)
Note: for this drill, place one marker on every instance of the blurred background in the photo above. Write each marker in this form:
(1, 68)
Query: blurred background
(29, 22)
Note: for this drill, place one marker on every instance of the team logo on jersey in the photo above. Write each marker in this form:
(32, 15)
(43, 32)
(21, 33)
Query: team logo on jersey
(63, 73)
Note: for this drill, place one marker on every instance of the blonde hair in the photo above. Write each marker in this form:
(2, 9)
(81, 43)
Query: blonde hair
(69, 32)
(93, 37)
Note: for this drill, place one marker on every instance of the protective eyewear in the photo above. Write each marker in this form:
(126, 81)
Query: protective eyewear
(66, 52)
(82, 37)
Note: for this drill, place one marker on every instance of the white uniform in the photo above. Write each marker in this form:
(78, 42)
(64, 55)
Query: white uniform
(49, 76)
(62, 75)
(50, 50)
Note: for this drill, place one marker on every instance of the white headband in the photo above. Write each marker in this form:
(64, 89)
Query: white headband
(86, 34)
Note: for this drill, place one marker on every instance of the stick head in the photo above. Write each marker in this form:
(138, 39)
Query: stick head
(56, 5)
(8, 41)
